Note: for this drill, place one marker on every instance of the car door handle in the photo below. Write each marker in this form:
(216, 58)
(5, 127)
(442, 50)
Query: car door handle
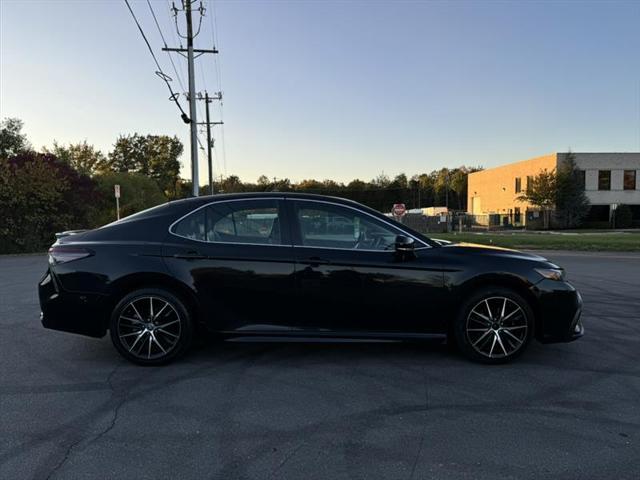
(316, 261)
(190, 255)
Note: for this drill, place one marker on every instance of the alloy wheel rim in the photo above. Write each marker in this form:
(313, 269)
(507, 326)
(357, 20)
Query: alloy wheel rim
(497, 327)
(149, 327)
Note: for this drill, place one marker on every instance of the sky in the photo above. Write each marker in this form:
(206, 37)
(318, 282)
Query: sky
(335, 89)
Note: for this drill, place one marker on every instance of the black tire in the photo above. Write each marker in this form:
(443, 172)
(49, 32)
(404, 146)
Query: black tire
(165, 332)
(509, 326)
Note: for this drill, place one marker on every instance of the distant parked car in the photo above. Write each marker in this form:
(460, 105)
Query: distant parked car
(293, 265)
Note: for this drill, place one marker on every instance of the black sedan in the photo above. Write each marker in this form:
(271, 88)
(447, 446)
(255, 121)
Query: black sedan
(293, 265)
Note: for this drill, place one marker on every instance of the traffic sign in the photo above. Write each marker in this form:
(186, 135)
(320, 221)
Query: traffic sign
(116, 190)
(399, 209)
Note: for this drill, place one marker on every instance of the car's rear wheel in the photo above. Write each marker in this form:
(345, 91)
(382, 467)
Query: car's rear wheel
(494, 325)
(151, 327)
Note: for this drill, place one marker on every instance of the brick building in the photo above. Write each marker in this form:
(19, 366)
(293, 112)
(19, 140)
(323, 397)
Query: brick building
(610, 179)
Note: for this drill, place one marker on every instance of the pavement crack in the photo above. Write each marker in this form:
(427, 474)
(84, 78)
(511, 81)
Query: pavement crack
(116, 410)
(424, 426)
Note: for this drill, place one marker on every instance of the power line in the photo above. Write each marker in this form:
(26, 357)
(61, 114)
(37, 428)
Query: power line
(217, 64)
(155, 19)
(160, 73)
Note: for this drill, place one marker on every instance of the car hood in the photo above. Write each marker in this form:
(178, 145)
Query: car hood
(489, 250)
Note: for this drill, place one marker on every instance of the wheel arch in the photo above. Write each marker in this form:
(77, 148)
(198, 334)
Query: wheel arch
(505, 280)
(135, 281)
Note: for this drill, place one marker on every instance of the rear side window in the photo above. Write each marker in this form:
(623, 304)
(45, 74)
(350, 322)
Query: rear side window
(192, 227)
(249, 221)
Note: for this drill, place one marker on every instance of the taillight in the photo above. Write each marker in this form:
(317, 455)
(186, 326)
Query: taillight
(63, 254)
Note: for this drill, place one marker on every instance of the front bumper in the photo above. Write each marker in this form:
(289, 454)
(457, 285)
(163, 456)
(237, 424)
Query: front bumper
(71, 312)
(559, 312)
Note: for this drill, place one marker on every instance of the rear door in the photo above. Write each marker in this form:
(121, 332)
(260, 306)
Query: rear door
(238, 258)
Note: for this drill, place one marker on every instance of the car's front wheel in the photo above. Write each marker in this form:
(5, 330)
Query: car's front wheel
(151, 327)
(494, 325)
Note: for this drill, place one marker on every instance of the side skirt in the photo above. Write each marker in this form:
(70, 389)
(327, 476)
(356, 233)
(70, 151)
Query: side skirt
(329, 337)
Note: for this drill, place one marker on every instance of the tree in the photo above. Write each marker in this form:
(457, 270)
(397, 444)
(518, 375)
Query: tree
(137, 192)
(152, 155)
(39, 196)
(571, 201)
(310, 185)
(84, 158)
(356, 185)
(381, 181)
(231, 184)
(263, 181)
(12, 140)
(542, 192)
(400, 181)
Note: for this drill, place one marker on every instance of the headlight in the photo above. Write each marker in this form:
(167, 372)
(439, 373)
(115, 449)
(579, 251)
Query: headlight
(551, 273)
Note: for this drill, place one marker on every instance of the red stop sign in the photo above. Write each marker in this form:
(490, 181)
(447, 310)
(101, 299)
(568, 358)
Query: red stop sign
(399, 209)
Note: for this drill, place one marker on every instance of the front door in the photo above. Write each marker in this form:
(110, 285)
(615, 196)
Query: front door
(350, 279)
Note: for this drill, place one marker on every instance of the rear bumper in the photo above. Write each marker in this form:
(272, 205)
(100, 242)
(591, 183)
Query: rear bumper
(559, 312)
(71, 312)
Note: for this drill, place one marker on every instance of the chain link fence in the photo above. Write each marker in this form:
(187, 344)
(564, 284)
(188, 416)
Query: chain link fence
(462, 222)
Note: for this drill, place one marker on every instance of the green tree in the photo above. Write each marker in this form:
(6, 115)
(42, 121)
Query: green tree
(400, 181)
(153, 155)
(84, 158)
(356, 185)
(542, 192)
(12, 140)
(571, 200)
(231, 184)
(39, 196)
(137, 192)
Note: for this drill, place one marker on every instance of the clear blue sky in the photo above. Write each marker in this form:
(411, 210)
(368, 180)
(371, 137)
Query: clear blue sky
(339, 90)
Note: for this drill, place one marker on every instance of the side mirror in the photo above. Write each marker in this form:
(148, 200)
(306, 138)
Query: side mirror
(404, 244)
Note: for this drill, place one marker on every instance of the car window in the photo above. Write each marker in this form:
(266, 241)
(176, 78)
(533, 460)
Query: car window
(191, 227)
(332, 226)
(251, 221)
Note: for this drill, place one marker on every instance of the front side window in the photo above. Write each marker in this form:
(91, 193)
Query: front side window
(629, 179)
(604, 179)
(250, 221)
(332, 226)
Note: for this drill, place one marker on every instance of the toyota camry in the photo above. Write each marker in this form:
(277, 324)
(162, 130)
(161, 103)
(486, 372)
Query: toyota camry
(297, 265)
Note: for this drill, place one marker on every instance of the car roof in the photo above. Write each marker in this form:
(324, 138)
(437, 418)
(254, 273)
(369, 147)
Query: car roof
(248, 195)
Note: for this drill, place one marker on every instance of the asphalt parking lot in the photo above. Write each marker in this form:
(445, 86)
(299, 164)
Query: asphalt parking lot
(70, 407)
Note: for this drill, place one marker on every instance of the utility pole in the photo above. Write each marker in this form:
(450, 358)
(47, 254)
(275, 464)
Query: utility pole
(207, 99)
(192, 86)
(192, 102)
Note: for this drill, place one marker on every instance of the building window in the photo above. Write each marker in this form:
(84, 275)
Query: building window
(629, 179)
(518, 185)
(516, 215)
(582, 179)
(529, 182)
(604, 179)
